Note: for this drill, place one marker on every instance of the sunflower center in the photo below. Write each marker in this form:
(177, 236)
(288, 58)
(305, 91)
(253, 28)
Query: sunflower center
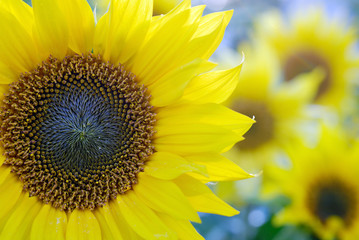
(77, 131)
(333, 198)
(262, 131)
(303, 62)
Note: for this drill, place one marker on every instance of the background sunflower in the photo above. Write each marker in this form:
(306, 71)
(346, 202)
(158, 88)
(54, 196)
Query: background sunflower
(306, 39)
(322, 186)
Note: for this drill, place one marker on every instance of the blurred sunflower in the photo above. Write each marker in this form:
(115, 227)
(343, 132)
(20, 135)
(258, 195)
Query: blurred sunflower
(280, 112)
(110, 131)
(323, 187)
(159, 6)
(279, 109)
(308, 40)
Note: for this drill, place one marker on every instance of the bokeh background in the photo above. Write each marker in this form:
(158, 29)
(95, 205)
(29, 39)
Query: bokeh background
(300, 82)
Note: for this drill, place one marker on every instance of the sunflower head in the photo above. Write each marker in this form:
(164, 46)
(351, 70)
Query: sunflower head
(279, 108)
(312, 39)
(78, 132)
(109, 130)
(322, 187)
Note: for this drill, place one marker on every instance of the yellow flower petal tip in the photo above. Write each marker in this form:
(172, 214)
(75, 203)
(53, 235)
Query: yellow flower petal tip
(260, 173)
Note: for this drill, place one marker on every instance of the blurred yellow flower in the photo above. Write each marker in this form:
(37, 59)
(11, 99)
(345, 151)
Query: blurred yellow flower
(111, 130)
(309, 39)
(278, 109)
(323, 187)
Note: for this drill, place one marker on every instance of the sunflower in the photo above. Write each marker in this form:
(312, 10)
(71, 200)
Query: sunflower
(323, 187)
(110, 131)
(310, 39)
(279, 109)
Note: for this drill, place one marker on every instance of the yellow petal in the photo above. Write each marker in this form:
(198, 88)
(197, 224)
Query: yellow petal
(82, 224)
(219, 168)
(50, 223)
(208, 35)
(17, 49)
(4, 88)
(184, 229)
(7, 76)
(213, 87)
(210, 23)
(121, 222)
(194, 138)
(158, 22)
(214, 114)
(2, 91)
(108, 223)
(171, 86)
(11, 189)
(4, 172)
(202, 44)
(202, 198)
(81, 24)
(166, 166)
(185, 4)
(142, 219)
(51, 30)
(22, 12)
(164, 196)
(121, 31)
(19, 222)
(164, 6)
(160, 52)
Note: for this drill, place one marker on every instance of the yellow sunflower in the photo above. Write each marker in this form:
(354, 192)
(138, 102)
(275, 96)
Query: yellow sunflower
(323, 187)
(280, 112)
(279, 109)
(310, 39)
(110, 131)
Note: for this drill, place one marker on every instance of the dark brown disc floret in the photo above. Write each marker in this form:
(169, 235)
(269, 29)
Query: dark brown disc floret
(77, 131)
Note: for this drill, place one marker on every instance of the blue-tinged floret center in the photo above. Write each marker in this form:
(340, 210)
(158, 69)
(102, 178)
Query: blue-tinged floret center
(82, 130)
